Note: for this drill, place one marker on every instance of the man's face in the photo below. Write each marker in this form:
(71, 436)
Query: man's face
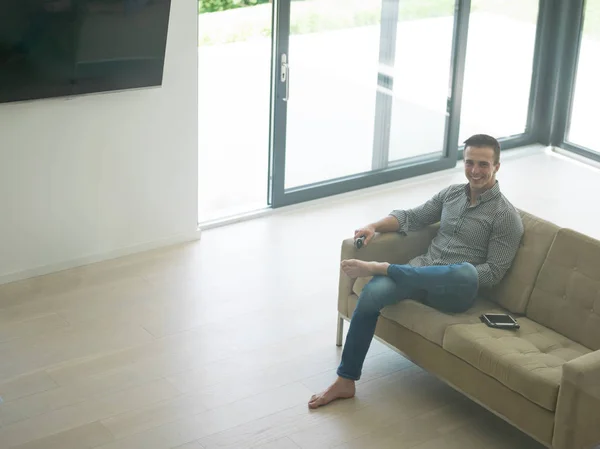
(480, 169)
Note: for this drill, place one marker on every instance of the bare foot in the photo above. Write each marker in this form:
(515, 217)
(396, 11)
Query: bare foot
(359, 268)
(340, 389)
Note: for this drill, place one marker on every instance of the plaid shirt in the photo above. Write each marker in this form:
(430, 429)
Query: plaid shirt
(487, 235)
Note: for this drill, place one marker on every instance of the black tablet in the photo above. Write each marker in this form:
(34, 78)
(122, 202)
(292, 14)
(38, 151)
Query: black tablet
(499, 320)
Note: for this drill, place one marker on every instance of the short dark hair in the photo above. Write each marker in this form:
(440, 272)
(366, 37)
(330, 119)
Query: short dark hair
(483, 140)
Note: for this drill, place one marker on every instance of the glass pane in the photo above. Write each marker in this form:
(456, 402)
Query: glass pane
(499, 64)
(333, 58)
(583, 128)
(234, 95)
(421, 73)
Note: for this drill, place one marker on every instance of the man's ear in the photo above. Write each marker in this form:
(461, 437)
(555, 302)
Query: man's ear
(497, 166)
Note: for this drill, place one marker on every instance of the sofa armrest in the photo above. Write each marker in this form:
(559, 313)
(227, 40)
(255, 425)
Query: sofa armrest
(391, 247)
(577, 421)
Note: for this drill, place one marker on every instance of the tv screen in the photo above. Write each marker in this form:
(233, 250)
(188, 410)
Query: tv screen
(52, 48)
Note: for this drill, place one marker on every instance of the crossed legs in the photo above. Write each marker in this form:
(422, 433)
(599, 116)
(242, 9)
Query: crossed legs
(449, 288)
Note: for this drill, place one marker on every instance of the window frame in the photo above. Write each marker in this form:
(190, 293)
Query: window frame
(563, 30)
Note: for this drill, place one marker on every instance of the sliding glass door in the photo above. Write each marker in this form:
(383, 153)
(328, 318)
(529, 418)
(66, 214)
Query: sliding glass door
(330, 93)
(364, 92)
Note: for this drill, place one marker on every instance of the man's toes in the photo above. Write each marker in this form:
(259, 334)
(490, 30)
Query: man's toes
(314, 402)
(318, 402)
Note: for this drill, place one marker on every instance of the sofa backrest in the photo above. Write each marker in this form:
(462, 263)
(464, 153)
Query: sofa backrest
(514, 291)
(566, 296)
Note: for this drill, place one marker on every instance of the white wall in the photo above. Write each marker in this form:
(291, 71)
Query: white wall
(93, 177)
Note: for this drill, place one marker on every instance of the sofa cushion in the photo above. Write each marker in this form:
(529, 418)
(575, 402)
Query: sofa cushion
(431, 323)
(427, 321)
(528, 361)
(566, 297)
(514, 290)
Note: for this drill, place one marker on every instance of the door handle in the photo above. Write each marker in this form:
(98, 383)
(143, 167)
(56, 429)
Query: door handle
(285, 76)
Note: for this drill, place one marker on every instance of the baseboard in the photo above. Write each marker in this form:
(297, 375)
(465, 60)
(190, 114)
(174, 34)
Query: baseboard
(100, 257)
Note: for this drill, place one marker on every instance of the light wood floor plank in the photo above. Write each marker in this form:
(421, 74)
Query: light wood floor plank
(86, 436)
(192, 445)
(26, 385)
(32, 327)
(65, 418)
(215, 420)
(25, 355)
(282, 443)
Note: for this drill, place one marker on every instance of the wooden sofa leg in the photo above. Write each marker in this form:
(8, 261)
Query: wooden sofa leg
(340, 331)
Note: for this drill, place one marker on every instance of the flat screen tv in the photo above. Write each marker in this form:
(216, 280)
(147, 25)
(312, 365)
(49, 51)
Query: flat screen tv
(54, 48)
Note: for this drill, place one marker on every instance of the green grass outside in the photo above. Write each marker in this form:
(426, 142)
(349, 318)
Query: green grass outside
(310, 16)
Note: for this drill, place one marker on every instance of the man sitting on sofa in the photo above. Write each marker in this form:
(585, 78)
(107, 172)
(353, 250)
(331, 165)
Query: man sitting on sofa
(480, 232)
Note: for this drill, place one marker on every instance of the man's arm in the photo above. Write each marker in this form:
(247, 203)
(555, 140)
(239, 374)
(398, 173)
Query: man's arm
(406, 220)
(387, 224)
(421, 216)
(502, 248)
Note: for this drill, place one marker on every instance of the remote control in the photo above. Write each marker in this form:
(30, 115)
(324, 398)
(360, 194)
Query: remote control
(359, 242)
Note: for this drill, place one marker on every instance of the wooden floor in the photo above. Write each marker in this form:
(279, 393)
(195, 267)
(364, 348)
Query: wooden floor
(220, 343)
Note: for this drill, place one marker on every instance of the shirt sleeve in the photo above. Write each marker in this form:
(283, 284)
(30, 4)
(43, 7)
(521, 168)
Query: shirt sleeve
(421, 216)
(502, 248)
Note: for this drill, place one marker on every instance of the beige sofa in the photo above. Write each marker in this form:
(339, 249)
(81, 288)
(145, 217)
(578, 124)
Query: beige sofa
(543, 378)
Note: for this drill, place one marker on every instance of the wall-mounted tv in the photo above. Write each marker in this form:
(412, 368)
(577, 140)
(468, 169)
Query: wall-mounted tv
(54, 48)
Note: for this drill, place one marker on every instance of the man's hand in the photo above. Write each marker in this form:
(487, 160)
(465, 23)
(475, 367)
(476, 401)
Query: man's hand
(367, 232)
(387, 224)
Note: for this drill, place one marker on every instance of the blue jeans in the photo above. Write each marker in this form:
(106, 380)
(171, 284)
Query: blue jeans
(448, 288)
